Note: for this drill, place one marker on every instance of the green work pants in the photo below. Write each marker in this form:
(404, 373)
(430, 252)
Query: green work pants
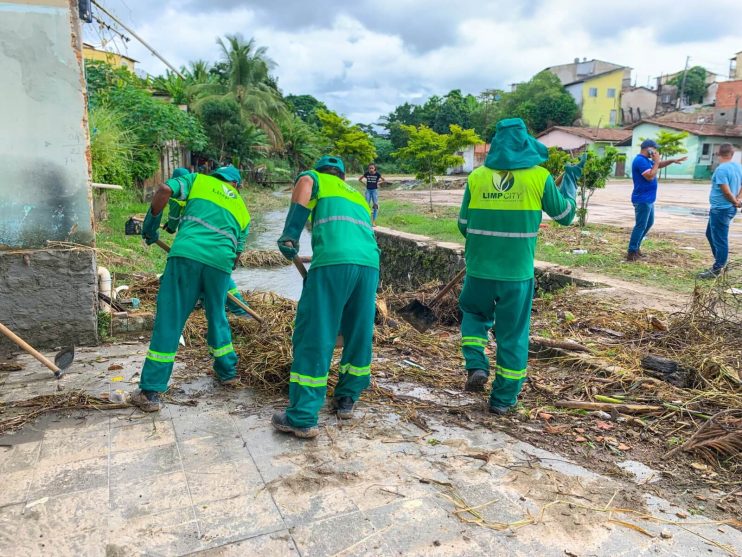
(509, 303)
(183, 282)
(336, 299)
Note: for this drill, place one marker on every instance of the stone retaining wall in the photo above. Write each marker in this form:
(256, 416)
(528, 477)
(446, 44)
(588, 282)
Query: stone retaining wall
(409, 260)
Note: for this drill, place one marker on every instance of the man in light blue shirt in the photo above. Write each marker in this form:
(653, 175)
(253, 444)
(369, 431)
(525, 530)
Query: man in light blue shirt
(725, 200)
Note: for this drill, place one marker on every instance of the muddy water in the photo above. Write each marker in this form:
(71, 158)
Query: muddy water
(284, 281)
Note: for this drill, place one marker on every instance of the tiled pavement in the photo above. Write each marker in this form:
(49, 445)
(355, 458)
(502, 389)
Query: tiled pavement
(214, 479)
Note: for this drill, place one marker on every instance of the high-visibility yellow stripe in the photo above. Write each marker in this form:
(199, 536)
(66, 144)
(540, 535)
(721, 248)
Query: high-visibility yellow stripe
(164, 357)
(354, 370)
(308, 380)
(222, 351)
(234, 291)
(513, 374)
(474, 341)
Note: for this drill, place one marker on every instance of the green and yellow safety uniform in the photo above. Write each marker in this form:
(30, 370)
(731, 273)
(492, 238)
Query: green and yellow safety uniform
(175, 208)
(339, 296)
(500, 217)
(212, 232)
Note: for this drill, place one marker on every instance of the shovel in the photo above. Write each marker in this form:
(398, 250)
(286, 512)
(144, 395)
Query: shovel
(133, 229)
(421, 316)
(62, 360)
(299, 264)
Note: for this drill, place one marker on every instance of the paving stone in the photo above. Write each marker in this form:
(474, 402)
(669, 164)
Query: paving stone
(205, 453)
(276, 544)
(64, 445)
(421, 527)
(51, 479)
(128, 466)
(173, 532)
(351, 534)
(206, 424)
(15, 487)
(150, 494)
(18, 456)
(301, 502)
(238, 517)
(142, 436)
(223, 481)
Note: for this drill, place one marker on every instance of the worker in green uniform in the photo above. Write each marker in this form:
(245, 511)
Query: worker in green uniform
(211, 236)
(339, 295)
(500, 217)
(175, 208)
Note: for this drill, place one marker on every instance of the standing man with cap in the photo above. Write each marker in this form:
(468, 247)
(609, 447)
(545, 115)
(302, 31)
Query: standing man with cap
(644, 171)
(339, 295)
(175, 208)
(211, 236)
(373, 179)
(500, 218)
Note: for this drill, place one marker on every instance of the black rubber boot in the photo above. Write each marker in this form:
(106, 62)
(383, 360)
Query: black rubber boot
(343, 407)
(146, 401)
(281, 422)
(500, 410)
(476, 380)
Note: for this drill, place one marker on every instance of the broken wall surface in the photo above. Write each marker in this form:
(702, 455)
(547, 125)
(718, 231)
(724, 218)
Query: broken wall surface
(45, 190)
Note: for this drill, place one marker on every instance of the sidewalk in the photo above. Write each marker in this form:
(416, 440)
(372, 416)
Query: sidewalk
(216, 479)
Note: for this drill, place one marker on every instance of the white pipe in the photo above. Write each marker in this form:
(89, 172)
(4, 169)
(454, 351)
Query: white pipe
(104, 281)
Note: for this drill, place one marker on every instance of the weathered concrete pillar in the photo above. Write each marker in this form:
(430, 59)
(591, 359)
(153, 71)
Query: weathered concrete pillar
(47, 290)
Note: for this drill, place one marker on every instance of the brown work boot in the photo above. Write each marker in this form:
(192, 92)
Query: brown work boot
(281, 422)
(233, 383)
(146, 401)
(632, 256)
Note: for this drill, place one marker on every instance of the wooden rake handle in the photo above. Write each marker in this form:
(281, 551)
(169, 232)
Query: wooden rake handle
(30, 349)
(232, 298)
(446, 289)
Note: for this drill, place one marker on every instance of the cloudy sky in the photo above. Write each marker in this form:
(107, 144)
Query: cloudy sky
(363, 57)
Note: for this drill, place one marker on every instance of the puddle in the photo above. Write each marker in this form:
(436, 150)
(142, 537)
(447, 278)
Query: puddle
(683, 211)
(284, 281)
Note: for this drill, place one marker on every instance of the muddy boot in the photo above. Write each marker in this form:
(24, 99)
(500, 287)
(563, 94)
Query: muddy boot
(709, 274)
(500, 410)
(475, 381)
(146, 401)
(343, 407)
(281, 422)
(640, 254)
(232, 384)
(632, 256)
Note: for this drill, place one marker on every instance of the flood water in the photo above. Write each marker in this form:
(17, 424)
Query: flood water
(284, 281)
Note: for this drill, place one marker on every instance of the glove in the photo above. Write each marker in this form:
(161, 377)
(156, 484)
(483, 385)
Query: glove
(171, 226)
(572, 173)
(151, 227)
(288, 243)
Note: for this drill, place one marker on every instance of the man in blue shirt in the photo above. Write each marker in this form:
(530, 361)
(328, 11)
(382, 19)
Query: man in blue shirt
(725, 200)
(644, 171)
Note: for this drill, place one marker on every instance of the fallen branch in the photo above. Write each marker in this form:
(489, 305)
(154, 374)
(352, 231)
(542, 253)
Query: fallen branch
(564, 344)
(608, 407)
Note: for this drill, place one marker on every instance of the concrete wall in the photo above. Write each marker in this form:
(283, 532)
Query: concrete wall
(45, 191)
(410, 260)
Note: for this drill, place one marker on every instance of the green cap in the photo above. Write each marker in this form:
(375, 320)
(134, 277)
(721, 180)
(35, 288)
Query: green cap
(178, 172)
(228, 173)
(329, 160)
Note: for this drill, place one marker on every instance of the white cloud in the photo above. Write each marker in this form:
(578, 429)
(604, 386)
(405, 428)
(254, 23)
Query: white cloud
(364, 58)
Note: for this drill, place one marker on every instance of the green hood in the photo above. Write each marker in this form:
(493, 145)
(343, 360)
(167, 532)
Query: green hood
(512, 148)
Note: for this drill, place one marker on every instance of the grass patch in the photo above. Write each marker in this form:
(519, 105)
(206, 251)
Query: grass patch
(128, 254)
(668, 263)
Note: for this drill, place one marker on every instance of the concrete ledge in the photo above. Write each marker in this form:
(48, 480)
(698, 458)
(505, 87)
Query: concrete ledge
(409, 260)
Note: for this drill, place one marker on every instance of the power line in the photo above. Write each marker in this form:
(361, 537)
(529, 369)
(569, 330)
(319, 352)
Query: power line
(137, 37)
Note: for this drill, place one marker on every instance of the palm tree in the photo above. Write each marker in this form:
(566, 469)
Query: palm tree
(249, 85)
(300, 143)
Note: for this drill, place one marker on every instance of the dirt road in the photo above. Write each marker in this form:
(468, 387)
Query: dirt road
(681, 208)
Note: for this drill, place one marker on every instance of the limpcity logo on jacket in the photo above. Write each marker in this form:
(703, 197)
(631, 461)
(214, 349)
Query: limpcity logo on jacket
(503, 181)
(229, 193)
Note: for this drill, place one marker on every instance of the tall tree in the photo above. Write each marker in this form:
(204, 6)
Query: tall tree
(346, 140)
(695, 86)
(305, 107)
(431, 153)
(541, 102)
(244, 77)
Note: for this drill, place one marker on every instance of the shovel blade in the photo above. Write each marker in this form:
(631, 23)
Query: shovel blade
(64, 357)
(417, 314)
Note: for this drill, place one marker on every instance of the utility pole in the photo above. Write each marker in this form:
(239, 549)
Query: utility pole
(140, 39)
(682, 83)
